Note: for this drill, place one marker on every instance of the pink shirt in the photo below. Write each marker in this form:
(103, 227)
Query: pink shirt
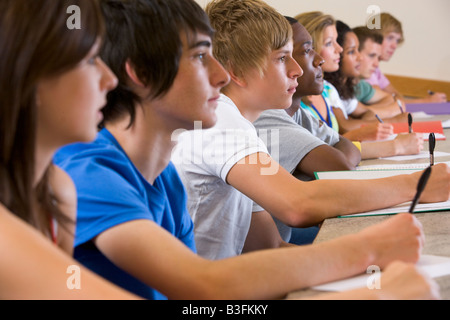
(378, 79)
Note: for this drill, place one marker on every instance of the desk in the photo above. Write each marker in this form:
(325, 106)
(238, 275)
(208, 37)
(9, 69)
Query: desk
(436, 225)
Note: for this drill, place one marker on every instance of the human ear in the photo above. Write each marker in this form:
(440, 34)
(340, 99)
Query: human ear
(131, 72)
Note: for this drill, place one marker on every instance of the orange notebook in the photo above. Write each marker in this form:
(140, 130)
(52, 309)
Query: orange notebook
(423, 127)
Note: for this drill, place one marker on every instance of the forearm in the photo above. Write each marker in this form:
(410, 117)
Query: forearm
(378, 149)
(329, 198)
(284, 270)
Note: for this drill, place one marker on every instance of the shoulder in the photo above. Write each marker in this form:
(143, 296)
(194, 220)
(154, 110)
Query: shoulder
(63, 188)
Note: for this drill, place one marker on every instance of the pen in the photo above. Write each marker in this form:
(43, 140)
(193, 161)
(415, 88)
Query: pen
(378, 118)
(410, 120)
(398, 102)
(420, 186)
(431, 144)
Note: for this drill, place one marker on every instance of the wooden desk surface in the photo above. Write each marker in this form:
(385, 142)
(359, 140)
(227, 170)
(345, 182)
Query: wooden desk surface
(436, 225)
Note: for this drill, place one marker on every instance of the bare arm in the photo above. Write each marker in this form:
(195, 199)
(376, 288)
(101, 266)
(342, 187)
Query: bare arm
(263, 233)
(327, 158)
(151, 254)
(33, 268)
(299, 203)
(403, 144)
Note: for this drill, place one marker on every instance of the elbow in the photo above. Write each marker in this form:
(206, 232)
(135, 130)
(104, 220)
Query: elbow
(299, 215)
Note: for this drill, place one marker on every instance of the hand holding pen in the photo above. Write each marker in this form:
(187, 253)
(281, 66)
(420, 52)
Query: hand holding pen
(420, 187)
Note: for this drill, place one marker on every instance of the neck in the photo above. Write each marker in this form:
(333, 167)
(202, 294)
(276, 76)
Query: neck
(247, 105)
(296, 101)
(44, 156)
(147, 142)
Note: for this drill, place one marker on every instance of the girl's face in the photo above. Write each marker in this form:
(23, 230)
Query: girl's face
(69, 104)
(351, 58)
(330, 50)
(390, 44)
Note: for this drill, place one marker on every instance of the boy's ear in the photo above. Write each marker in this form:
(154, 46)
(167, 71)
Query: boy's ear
(239, 80)
(131, 72)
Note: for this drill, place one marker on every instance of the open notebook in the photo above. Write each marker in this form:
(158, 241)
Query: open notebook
(383, 173)
(432, 266)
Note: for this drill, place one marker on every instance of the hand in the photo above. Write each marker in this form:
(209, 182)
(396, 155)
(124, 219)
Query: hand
(438, 186)
(411, 143)
(375, 131)
(437, 97)
(397, 238)
(402, 281)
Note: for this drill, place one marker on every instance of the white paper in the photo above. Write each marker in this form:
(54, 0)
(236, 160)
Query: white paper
(432, 266)
(375, 174)
(422, 155)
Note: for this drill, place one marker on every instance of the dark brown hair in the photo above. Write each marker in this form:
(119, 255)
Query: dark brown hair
(35, 42)
(147, 33)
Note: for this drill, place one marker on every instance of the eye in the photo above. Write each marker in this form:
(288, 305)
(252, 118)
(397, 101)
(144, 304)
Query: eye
(283, 59)
(92, 60)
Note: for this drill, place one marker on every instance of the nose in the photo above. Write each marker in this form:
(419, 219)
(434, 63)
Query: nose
(338, 48)
(318, 60)
(296, 71)
(219, 77)
(109, 80)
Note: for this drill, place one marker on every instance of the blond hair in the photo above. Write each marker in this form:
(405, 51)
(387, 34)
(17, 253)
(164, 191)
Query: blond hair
(246, 32)
(315, 23)
(390, 24)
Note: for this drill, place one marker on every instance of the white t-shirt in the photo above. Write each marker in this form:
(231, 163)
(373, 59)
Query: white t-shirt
(203, 158)
(347, 106)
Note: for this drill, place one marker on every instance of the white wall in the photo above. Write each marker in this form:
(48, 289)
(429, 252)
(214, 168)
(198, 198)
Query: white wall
(426, 26)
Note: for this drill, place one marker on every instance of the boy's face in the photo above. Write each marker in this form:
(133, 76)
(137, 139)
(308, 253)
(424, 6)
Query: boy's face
(196, 88)
(370, 55)
(311, 82)
(274, 90)
(391, 41)
(351, 58)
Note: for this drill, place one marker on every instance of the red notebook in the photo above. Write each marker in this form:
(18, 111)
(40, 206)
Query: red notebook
(423, 127)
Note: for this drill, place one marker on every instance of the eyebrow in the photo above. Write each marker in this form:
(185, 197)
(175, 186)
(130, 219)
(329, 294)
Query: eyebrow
(307, 43)
(201, 44)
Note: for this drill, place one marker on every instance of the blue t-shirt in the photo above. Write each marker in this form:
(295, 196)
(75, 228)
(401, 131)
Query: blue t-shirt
(111, 191)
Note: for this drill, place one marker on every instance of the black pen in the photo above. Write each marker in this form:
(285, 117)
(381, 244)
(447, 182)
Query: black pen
(431, 145)
(420, 186)
(410, 120)
(378, 118)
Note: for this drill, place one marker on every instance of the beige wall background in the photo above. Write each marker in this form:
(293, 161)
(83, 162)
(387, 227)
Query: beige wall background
(426, 26)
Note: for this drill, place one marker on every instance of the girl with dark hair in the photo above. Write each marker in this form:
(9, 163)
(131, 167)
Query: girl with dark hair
(52, 88)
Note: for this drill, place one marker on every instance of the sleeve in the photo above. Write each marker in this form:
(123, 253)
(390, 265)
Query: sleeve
(364, 91)
(316, 127)
(108, 194)
(286, 140)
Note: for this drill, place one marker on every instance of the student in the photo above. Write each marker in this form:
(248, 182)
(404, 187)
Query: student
(350, 113)
(227, 167)
(392, 31)
(133, 223)
(52, 88)
(370, 43)
(305, 144)
(323, 30)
